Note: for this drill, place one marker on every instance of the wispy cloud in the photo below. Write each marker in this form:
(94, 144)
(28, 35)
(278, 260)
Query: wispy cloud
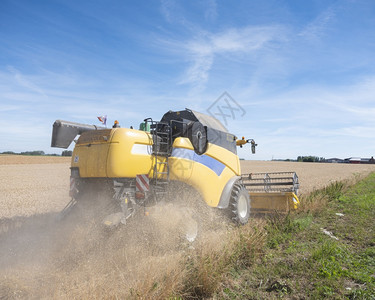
(31, 103)
(7, 108)
(356, 132)
(132, 61)
(356, 111)
(174, 12)
(26, 82)
(202, 50)
(168, 8)
(314, 119)
(317, 28)
(211, 11)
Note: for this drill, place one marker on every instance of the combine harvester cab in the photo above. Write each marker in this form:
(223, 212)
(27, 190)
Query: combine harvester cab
(135, 167)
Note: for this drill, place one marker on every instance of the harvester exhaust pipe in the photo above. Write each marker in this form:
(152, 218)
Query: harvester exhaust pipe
(64, 132)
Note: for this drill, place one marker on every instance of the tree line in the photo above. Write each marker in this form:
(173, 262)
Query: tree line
(38, 153)
(311, 158)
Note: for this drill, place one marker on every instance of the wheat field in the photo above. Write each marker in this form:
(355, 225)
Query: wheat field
(36, 185)
(41, 258)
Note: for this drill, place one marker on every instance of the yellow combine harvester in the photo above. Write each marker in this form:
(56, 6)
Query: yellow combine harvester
(137, 166)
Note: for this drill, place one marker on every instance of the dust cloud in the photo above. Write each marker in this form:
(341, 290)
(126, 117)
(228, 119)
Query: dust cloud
(44, 256)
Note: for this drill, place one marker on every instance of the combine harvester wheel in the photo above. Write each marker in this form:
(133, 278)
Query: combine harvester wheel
(239, 204)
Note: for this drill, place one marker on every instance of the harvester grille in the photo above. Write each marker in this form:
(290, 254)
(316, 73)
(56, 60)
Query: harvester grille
(271, 182)
(94, 136)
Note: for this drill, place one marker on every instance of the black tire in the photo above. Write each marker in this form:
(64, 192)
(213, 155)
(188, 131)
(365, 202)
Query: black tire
(239, 205)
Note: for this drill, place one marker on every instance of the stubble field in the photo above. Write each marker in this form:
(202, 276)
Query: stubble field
(37, 185)
(41, 258)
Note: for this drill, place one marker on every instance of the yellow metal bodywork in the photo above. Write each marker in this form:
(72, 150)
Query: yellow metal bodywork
(193, 170)
(270, 202)
(129, 153)
(241, 142)
(113, 153)
(125, 153)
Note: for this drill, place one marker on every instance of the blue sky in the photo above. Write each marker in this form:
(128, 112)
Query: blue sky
(301, 72)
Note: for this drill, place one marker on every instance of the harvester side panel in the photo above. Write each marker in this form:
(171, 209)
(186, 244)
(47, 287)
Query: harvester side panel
(121, 153)
(271, 202)
(130, 153)
(90, 153)
(206, 173)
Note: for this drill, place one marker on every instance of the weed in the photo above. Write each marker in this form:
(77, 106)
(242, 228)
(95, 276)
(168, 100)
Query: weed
(248, 244)
(300, 262)
(334, 190)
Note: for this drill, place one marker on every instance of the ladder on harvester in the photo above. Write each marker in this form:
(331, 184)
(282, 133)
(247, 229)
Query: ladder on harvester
(161, 150)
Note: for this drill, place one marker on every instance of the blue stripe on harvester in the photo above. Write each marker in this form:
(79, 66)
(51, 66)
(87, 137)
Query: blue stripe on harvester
(205, 160)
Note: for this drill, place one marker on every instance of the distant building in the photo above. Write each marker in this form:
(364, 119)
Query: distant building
(353, 160)
(335, 160)
(368, 160)
(359, 160)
